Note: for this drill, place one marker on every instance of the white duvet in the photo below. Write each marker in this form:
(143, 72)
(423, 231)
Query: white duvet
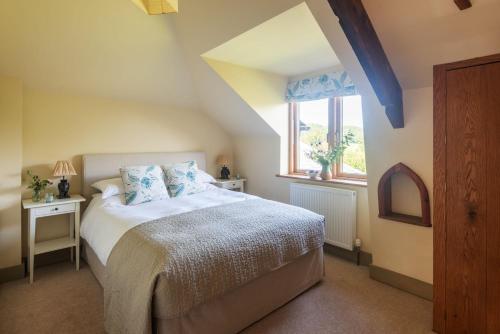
(106, 220)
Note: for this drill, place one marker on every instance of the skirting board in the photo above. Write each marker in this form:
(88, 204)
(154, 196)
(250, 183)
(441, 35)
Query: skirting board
(402, 282)
(11, 273)
(351, 256)
(20, 271)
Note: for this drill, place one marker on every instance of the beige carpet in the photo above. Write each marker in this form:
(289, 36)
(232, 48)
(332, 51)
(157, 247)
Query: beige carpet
(65, 301)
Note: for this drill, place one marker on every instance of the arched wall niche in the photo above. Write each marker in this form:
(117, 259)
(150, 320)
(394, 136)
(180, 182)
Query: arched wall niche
(385, 197)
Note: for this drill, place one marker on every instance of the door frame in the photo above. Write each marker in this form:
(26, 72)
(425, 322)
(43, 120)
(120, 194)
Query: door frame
(439, 216)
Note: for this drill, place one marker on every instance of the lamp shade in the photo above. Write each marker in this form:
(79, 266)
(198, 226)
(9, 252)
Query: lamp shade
(64, 168)
(222, 160)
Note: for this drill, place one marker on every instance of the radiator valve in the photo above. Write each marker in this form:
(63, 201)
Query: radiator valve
(357, 243)
(357, 248)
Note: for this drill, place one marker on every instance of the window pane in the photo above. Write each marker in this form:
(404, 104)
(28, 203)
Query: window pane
(352, 120)
(313, 125)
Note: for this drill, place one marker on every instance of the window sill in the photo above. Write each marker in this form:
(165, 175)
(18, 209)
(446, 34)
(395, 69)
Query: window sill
(354, 183)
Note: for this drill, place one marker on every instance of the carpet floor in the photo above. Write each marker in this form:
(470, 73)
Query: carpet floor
(62, 300)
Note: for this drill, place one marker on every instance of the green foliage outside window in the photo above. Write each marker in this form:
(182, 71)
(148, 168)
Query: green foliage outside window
(354, 154)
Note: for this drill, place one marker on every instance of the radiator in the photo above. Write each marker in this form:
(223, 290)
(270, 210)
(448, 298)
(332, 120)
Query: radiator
(338, 206)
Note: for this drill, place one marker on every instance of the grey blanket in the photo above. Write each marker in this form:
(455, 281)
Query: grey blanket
(200, 255)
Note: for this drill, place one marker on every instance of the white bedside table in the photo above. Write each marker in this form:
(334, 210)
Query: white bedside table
(58, 207)
(231, 184)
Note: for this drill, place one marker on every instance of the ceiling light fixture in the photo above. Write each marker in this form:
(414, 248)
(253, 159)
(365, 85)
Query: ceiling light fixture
(156, 7)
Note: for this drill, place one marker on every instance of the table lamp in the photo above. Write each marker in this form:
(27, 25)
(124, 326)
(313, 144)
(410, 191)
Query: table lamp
(62, 169)
(222, 160)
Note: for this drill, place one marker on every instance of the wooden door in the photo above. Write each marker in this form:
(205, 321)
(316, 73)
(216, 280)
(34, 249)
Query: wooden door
(492, 78)
(467, 197)
(466, 156)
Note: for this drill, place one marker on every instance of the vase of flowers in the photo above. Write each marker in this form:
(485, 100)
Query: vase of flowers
(326, 155)
(326, 172)
(37, 185)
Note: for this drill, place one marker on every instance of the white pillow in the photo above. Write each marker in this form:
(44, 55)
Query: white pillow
(204, 177)
(110, 187)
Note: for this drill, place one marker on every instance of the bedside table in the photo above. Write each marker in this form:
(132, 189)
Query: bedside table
(58, 207)
(231, 184)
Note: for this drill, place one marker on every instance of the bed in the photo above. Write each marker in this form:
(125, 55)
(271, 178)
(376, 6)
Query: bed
(105, 222)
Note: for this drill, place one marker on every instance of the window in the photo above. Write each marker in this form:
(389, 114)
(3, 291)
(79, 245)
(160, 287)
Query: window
(327, 120)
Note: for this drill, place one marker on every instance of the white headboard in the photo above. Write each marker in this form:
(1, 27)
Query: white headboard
(105, 166)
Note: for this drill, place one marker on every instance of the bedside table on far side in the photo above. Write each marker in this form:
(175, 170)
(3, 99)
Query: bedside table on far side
(58, 207)
(231, 184)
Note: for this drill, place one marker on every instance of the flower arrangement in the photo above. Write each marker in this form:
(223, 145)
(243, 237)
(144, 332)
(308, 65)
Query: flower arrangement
(37, 185)
(325, 154)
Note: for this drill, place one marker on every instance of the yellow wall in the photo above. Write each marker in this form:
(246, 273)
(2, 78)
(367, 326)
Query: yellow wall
(58, 127)
(11, 102)
(261, 158)
(201, 26)
(399, 247)
(264, 93)
(95, 48)
(257, 159)
(395, 246)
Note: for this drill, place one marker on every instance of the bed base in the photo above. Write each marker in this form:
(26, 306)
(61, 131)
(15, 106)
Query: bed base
(241, 307)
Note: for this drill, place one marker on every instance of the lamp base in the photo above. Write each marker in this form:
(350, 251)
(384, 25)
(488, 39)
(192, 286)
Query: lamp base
(224, 173)
(63, 187)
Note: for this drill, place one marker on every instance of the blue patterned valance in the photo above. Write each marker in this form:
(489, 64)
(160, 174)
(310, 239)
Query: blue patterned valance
(321, 87)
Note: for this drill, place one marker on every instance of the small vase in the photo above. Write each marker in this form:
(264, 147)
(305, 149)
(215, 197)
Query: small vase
(326, 172)
(36, 196)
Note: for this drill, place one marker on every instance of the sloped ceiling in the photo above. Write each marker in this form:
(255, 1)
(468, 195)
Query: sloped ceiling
(303, 48)
(94, 47)
(419, 34)
(111, 48)
(204, 25)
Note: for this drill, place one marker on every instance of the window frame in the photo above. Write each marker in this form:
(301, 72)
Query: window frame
(335, 131)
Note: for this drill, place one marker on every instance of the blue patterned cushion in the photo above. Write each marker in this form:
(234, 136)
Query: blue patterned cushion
(182, 179)
(143, 184)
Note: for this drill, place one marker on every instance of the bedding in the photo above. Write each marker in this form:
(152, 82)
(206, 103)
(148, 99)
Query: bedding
(204, 177)
(200, 255)
(182, 179)
(143, 184)
(201, 175)
(264, 238)
(106, 220)
(114, 186)
(110, 187)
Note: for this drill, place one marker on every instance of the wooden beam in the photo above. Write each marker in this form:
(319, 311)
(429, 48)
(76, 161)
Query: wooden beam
(463, 4)
(364, 40)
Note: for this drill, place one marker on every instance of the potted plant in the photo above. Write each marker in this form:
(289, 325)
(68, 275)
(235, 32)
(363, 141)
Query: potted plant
(37, 185)
(326, 155)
